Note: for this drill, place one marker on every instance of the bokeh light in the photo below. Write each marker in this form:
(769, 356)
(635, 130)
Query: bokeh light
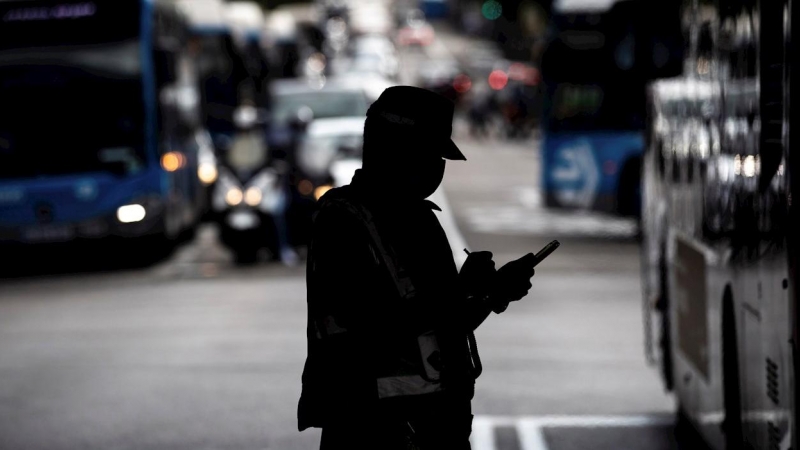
(492, 9)
(321, 190)
(498, 79)
(462, 83)
(172, 161)
(305, 187)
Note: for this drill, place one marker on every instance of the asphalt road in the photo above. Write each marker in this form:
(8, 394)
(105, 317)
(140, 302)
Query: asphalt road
(196, 353)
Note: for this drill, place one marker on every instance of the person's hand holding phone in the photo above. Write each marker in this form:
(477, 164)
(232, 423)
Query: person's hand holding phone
(513, 281)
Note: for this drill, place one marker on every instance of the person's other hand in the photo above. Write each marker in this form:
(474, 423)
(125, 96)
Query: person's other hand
(477, 273)
(513, 280)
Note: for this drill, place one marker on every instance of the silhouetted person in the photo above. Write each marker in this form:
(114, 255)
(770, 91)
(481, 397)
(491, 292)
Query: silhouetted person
(481, 108)
(391, 356)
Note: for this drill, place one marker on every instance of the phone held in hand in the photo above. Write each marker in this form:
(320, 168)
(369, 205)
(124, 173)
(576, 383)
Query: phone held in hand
(546, 251)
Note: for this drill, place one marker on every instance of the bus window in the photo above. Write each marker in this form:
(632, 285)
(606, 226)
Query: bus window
(52, 96)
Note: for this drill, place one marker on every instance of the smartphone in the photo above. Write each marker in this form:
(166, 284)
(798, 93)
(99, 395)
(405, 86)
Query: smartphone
(545, 252)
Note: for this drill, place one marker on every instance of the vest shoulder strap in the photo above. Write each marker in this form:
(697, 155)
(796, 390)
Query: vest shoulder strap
(385, 253)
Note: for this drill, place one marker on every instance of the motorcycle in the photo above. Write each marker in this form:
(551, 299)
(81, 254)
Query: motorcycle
(249, 197)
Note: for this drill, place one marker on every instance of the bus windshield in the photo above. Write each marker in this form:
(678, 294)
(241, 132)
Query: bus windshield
(71, 109)
(594, 107)
(592, 82)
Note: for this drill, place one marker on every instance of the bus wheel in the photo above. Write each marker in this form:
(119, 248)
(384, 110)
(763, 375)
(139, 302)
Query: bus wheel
(732, 425)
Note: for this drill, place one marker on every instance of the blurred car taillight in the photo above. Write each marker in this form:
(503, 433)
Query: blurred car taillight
(498, 79)
(416, 35)
(426, 35)
(462, 83)
(524, 73)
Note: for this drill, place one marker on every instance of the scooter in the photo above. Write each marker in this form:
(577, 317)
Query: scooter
(250, 196)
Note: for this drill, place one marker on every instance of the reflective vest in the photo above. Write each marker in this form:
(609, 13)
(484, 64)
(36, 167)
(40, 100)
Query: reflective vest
(418, 369)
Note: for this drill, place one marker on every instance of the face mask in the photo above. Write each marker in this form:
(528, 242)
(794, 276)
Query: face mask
(425, 177)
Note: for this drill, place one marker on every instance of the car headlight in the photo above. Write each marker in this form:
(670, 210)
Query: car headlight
(207, 173)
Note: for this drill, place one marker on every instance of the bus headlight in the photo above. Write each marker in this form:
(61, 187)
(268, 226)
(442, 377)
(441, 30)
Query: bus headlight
(253, 196)
(234, 196)
(207, 173)
(131, 213)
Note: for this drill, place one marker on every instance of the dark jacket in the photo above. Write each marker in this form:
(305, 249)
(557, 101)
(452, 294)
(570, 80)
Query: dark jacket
(345, 280)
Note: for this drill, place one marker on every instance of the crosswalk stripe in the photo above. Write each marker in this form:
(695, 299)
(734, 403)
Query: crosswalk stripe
(482, 434)
(530, 429)
(523, 213)
(448, 222)
(531, 436)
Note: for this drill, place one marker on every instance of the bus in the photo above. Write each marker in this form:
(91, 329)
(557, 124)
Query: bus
(97, 122)
(720, 249)
(595, 66)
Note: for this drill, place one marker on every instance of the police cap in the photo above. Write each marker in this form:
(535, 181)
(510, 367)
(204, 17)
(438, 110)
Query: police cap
(424, 113)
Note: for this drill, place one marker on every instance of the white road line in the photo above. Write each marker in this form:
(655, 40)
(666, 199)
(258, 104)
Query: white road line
(457, 242)
(530, 434)
(482, 434)
(521, 212)
(530, 429)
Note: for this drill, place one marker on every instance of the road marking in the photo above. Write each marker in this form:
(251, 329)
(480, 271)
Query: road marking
(531, 435)
(530, 429)
(576, 173)
(482, 433)
(523, 214)
(446, 218)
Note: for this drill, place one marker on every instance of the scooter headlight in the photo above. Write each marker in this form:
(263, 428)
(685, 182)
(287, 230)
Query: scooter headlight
(264, 191)
(253, 196)
(234, 196)
(226, 192)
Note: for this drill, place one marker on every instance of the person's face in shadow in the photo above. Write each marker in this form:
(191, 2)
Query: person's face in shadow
(420, 169)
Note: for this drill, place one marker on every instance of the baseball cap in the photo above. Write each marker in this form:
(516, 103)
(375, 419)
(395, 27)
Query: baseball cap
(423, 112)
